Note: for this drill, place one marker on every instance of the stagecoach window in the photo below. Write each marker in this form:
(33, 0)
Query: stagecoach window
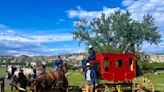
(130, 64)
(106, 65)
(119, 63)
(130, 61)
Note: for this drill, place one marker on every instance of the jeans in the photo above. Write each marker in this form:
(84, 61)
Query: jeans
(89, 83)
(89, 86)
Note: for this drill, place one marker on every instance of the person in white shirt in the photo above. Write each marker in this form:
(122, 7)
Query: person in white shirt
(90, 78)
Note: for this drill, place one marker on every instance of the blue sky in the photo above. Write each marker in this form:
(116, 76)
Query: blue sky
(42, 27)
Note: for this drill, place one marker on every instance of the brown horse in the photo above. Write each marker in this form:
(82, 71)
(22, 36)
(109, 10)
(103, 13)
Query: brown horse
(55, 79)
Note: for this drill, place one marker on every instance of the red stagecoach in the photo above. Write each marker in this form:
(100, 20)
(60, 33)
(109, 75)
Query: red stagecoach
(120, 71)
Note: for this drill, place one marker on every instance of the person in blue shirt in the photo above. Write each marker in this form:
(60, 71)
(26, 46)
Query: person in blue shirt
(57, 63)
(91, 53)
(90, 78)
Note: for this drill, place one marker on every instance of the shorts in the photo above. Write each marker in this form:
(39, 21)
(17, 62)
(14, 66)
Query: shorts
(89, 83)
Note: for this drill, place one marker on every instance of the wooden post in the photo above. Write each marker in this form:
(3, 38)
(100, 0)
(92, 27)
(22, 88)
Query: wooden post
(2, 84)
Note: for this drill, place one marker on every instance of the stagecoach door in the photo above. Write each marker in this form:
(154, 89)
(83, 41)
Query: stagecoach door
(119, 70)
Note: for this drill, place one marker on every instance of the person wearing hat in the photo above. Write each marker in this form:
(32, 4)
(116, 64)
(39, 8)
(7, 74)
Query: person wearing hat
(57, 63)
(91, 53)
(90, 78)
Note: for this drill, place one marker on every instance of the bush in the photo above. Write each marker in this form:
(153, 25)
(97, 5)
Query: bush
(150, 67)
(70, 66)
(49, 64)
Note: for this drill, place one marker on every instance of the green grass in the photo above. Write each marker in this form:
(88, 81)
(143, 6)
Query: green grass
(2, 73)
(158, 80)
(75, 78)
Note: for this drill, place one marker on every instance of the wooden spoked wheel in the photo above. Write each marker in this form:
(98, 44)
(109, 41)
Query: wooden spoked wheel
(108, 89)
(143, 84)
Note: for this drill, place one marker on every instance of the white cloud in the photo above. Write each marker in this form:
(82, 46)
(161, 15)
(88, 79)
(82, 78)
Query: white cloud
(153, 7)
(80, 13)
(10, 35)
(127, 2)
(13, 43)
(138, 8)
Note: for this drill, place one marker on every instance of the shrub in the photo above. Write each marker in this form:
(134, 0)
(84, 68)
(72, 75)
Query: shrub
(107, 49)
(150, 67)
(70, 66)
(49, 64)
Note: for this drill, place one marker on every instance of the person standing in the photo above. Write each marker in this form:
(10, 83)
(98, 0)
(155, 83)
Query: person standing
(90, 78)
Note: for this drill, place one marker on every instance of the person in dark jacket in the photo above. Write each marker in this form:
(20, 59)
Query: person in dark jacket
(90, 78)
(22, 79)
(91, 56)
(91, 53)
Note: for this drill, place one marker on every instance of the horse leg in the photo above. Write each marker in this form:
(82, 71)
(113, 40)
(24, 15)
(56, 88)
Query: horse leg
(40, 89)
(11, 88)
(13, 85)
(34, 89)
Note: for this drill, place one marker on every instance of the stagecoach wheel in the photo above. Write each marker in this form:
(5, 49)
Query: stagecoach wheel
(108, 89)
(143, 84)
(140, 90)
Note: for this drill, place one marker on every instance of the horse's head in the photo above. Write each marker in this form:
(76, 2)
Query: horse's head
(10, 71)
(59, 78)
(63, 68)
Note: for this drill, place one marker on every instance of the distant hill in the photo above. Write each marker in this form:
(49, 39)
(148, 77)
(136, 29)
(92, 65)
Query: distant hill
(69, 58)
(156, 58)
(73, 59)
